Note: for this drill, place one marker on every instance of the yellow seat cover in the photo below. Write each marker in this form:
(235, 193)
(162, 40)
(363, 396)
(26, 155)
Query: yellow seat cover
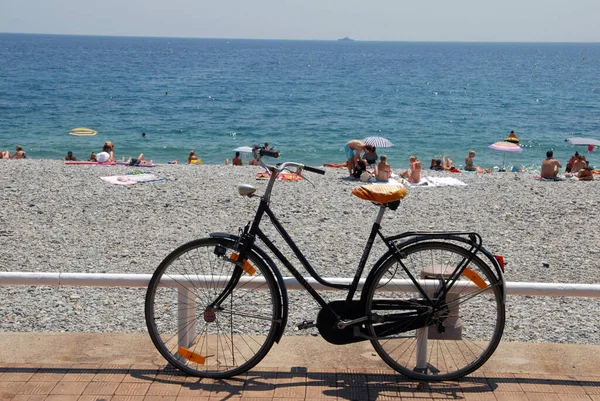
(380, 193)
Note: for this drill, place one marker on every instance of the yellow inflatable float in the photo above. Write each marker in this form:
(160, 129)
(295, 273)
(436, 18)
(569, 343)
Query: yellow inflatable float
(512, 138)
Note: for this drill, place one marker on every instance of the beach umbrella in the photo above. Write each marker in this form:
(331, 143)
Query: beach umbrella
(504, 146)
(589, 142)
(82, 132)
(243, 149)
(378, 142)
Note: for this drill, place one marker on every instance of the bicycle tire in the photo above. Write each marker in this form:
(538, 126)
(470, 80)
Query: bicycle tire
(475, 316)
(221, 343)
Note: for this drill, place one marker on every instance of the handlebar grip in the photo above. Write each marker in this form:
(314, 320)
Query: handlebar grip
(270, 153)
(314, 170)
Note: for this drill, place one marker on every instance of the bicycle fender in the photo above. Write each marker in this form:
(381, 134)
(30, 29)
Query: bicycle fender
(413, 238)
(389, 254)
(282, 288)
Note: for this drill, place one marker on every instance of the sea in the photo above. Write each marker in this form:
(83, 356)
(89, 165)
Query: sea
(305, 98)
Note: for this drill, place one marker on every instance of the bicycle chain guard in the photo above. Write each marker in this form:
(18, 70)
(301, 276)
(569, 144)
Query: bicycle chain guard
(327, 322)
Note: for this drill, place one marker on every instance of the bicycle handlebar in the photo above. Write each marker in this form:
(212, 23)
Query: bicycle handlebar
(314, 170)
(259, 151)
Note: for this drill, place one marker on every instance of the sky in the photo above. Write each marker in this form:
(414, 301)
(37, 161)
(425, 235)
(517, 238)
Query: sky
(385, 20)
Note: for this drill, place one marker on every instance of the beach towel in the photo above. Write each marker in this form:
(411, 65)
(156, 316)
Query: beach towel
(265, 175)
(391, 181)
(430, 182)
(134, 164)
(131, 179)
(539, 178)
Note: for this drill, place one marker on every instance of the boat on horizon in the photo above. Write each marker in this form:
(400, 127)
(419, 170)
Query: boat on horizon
(346, 39)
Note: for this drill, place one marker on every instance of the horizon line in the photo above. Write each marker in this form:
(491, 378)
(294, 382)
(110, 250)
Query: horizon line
(297, 40)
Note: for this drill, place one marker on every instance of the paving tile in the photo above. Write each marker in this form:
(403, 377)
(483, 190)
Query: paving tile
(95, 398)
(164, 389)
(127, 398)
(16, 376)
(510, 396)
(111, 372)
(132, 388)
(186, 398)
(101, 388)
(81, 373)
(199, 388)
(37, 387)
(479, 396)
(532, 396)
(595, 397)
(29, 397)
(69, 388)
(504, 383)
(227, 388)
(573, 397)
(8, 389)
(591, 385)
(534, 384)
(140, 373)
(46, 376)
(290, 385)
(62, 397)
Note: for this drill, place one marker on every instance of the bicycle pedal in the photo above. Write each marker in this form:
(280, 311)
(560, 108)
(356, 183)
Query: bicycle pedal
(305, 325)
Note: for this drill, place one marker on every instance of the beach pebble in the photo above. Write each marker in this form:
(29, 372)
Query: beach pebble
(58, 218)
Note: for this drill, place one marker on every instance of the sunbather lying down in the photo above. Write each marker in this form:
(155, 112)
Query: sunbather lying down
(443, 164)
(139, 160)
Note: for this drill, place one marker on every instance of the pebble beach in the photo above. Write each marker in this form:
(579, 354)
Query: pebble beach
(63, 218)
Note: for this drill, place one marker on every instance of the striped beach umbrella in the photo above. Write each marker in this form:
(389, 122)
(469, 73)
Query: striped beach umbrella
(82, 132)
(378, 142)
(504, 146)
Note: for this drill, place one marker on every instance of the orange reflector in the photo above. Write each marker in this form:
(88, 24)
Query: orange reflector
(500, 260)
(191, 356)
(474, 277)
(246, 266)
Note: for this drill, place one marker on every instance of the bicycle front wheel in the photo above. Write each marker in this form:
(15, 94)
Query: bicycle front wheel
(444, 342)
(195, 335)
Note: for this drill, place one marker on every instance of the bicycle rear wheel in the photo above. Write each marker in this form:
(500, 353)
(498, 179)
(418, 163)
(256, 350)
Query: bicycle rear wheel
(205, 341)
(433, 345)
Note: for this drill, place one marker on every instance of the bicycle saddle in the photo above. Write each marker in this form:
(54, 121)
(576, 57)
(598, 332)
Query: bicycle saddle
(380, 193)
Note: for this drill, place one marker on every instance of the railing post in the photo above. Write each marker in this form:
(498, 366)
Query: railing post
(186, 317)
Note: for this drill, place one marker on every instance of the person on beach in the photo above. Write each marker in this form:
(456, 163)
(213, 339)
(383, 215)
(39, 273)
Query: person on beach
(70, 157)
(138, 161)
(413, 174)
(585, 174)
(353, 149)
(550, 166)
(19, 154)
(93, 157)
(383, 171)
(266, 147)
(109, 148)
(469, 164)
(436, 164)
(579, 164)
(237, 160)
(5, 154)
(360, 166)
(370, 155)
(573, 159)
(143, 134)
(192, 158)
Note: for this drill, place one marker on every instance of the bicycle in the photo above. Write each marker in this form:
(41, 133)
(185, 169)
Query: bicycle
(432, 305)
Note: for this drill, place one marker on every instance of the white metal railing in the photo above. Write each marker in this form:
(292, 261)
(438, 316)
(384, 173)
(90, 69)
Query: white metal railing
(142, 280)
(186, 298)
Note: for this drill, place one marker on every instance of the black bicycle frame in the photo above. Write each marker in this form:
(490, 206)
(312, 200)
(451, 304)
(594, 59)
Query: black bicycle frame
(249, 237)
